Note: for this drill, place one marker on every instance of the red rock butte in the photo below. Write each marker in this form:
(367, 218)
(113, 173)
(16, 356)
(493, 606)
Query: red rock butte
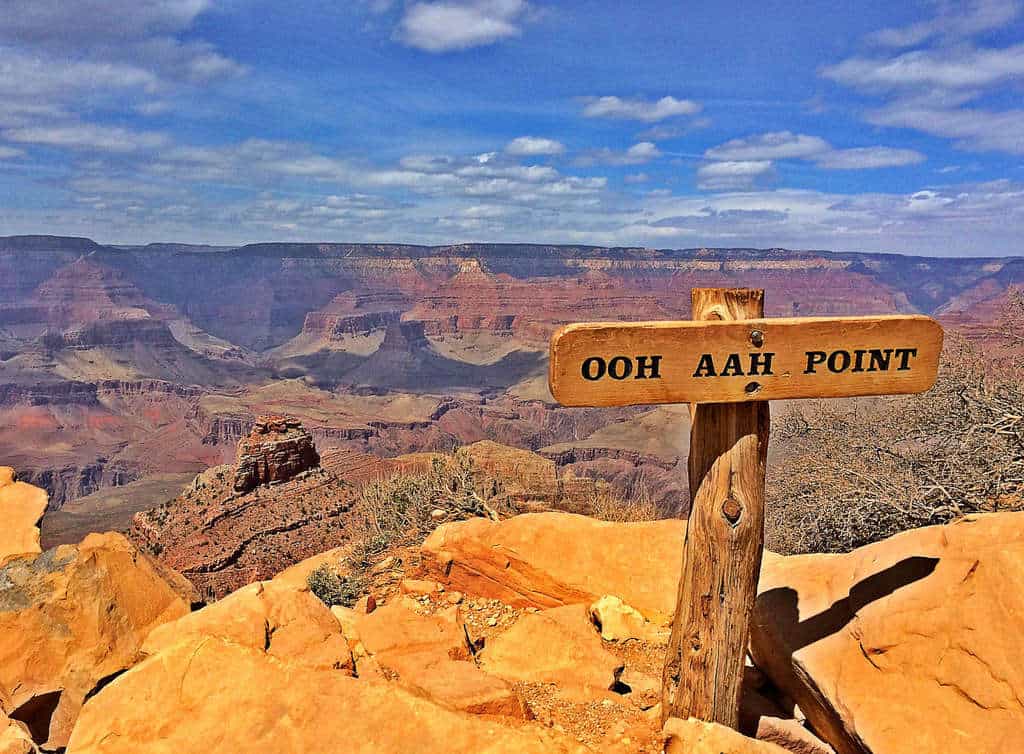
(277, 449)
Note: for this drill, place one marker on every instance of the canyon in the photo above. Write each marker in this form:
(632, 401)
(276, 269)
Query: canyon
(126, 371)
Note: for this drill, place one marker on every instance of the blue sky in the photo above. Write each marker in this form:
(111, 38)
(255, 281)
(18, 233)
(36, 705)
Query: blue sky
(869, 126)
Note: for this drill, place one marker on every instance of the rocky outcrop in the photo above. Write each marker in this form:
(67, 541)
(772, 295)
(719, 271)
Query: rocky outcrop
(217, 693)
(906, 645)
(238, 524)
(71, 619)
(551, 559)
(277, 449)
(282, 620)
(21, 508)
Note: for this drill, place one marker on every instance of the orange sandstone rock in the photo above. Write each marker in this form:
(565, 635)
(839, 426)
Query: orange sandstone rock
(71, 619)
(698, 737)
(908, 645)
(281, 620)
(552, 559)
(21, 508)
(14, 737)
(216, 695)
(558, 646)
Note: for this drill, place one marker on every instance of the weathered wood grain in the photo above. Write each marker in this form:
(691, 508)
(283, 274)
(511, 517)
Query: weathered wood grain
(724, 538)
(810, 357)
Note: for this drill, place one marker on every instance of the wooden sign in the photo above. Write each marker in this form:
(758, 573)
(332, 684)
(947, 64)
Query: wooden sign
(617, 363)
(729, 362)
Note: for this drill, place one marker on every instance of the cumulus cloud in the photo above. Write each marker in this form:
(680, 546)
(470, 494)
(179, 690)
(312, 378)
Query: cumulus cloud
(777, 145)
(955, 20)
(638, 154)
(782, 145)
(91, 21)
(87, 136)
(733, 174)
(59, 60)
(529, 146)
(934, 89)
(862, 158)
(8, 153)
(450, 26)
(971, 128)
(931, 68)
(648, 111)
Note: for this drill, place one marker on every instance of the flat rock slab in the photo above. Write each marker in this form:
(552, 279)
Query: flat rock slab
(550, 559)
(908, 645)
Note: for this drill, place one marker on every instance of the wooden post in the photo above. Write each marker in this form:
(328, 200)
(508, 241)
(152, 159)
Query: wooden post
(703, 670)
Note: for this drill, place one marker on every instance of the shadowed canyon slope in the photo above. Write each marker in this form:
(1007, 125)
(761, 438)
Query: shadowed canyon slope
(120, 366)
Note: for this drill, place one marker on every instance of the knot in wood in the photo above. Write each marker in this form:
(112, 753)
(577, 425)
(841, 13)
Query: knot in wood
(732, 510)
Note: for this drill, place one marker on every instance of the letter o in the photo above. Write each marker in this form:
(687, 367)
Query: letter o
(593, 368)
(620, 367)
(832, 361)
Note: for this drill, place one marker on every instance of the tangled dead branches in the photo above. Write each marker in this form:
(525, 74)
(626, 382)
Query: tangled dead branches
(854, 472)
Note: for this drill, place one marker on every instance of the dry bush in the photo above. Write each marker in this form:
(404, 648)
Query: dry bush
(399, 511)
(605, 504)
(857, 471)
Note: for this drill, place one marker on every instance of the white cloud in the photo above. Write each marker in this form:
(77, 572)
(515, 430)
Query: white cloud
(862, 158)
(975, 129)
(637, 178)
(7, 153)
(528, 146)
(932, 89)
(956, 20)
(91, 21)
(931, 68)
(638, 154)
(649, 111)
(87, 136)
(782, 145)
(731, 175)
(777, 145)
(448, 26)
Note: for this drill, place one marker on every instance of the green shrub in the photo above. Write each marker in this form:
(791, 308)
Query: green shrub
(333, 588)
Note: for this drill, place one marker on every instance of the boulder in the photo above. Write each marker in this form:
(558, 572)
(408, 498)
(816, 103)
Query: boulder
(21, 508)
(908, 645)
(14, 737)
(216, 695)
(550, 559)
(558, 646)
(460, 685)
(394, 633)
(698, 737)
(617, 621)
(284, 621)
(71, 619)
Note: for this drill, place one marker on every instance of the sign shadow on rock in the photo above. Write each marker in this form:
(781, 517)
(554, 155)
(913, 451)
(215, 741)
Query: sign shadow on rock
(782, 603)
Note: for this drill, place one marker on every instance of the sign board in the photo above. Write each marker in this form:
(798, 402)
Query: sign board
(618, 364)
